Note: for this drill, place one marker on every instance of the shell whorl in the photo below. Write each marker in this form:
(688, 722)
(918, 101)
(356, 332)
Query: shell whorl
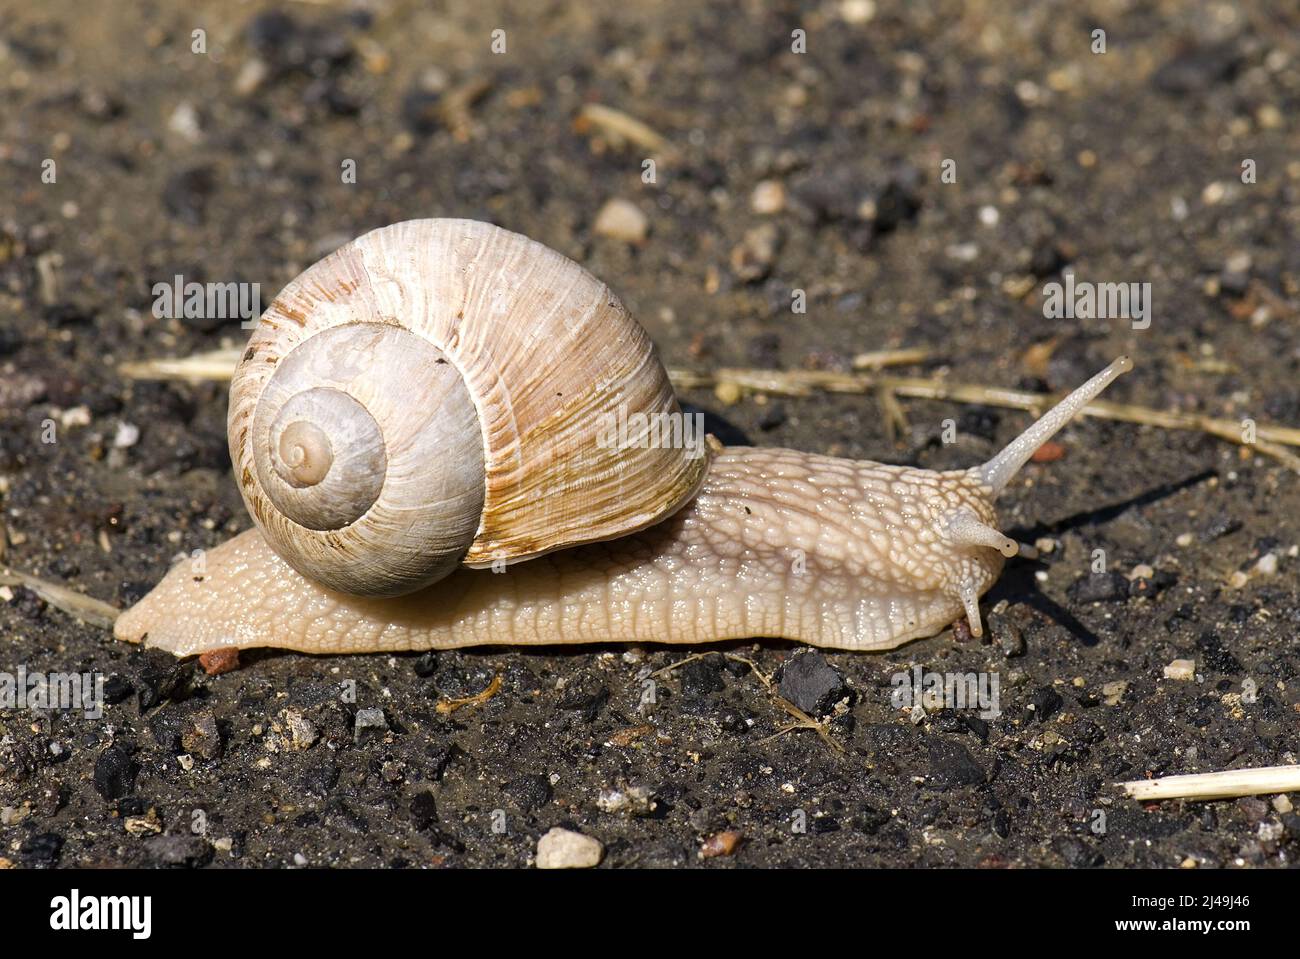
(435, 393)
(366, 444)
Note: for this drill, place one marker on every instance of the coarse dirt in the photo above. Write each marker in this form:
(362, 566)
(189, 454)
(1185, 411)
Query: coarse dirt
(225, 165)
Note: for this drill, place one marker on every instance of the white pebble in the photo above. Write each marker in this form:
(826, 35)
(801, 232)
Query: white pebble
(184, 122)
(622, 220)
(565, 849)
(768, 197)
(989, 215)
(1181, 669)
(857, 11)
(127, 435)
(1267, 564)
(77, 416)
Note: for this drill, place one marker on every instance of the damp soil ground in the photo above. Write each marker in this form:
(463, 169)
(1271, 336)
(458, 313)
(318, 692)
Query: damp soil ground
(225, 165)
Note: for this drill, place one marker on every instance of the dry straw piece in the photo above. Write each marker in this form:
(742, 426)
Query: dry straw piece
(1270, 439)
(1260, 781)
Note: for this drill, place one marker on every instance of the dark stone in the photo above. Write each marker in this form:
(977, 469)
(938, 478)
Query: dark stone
(1002, 823)
(976, 725)
(314, 49)
(703, 676)
(424, 811)
(1077, 854)
(189, 851)
(166, 726)
(115, 773)
(811, 683)
(42, 849)
(869, 819)
(1216, 657)
(951, 764)
(320, 779)
(426, 664)
(1109, 587)
(422, 111)
(1197, 69)
(1087, 732)
(900, 199)
(773, 415)
(587, 696)
(69, 314)
(27, 603)
(1006, 634)
(1046, 258)
(270, 32)
(1219, 526)
(11, 340)
(200, 736)
(528, 792)
(979, 421)
(185, 194)
(1152, 586)
(158, 682)
(1291, 823)
(371, 724)
(1045, 701)
(733, 720)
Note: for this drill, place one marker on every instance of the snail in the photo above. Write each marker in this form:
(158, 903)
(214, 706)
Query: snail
(416, 430)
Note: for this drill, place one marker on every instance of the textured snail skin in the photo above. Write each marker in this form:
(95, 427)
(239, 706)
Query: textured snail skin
(778, 543)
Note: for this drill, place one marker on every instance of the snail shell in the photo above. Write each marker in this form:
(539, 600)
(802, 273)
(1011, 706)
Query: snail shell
(432, 394)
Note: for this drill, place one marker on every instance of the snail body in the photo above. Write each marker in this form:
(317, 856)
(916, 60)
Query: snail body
(676, 547)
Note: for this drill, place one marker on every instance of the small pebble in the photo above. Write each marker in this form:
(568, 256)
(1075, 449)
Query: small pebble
(127, 435)
(753, 257)
(218, 661)
(1113, 692)
(728, 393)
(622, 220)
(1141, 571)
(1267, 564)
(857, 11)
(200, 735)
(1109, 587)
(370, 725)
(633, 801)
(768, 197)
(811, 683)
(1185, 539)
(721, 844)
(115, 773)
(565, 849)
(1181, 669)
(1049, 452)
(302, 731)
(184, 122)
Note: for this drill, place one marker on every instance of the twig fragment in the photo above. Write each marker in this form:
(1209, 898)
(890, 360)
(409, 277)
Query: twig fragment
(85, 608)
(446, 707)
(618, 128)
